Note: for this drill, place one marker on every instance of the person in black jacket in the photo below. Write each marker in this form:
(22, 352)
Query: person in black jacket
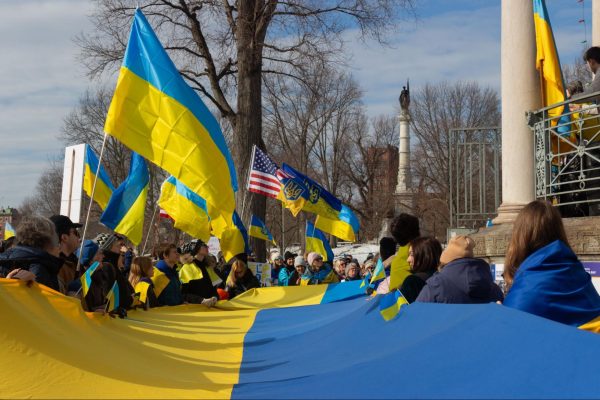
(424, 258)
(240, 279)
(462, 279)
(197, 286)
(36, 251)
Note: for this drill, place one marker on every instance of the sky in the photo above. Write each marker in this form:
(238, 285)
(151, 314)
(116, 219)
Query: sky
(42, 81)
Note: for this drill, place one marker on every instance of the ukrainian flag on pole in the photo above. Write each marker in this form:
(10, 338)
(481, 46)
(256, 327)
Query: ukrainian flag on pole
(104, 187)
(548, 64)
(390, 304)
(125, 210)
(335, 218)
(155, 113)
(9, 231)
(86, 278)
(259, 230)
(234, 239)
(317, 242)
(188, 209)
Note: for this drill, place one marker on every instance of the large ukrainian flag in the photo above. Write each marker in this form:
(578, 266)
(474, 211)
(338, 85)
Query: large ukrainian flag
(283, 342)
(548, 64)
(125, 210)
(233, 238)
(317, 242)
(104, 187)
(155, 113)
(259, 230)
(188, 209)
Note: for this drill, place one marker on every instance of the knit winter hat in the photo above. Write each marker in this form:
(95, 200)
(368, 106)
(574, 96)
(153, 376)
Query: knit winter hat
(299, 260)
(105, 240)
(458, 247)
(312, 257)
(288, 255)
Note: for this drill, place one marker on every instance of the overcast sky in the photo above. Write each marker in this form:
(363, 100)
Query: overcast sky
(41, 80)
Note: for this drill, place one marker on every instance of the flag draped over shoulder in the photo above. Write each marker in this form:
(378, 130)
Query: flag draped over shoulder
(9, 231)
(104, 187)
(155, 113)
(334, 217)
(317, 242)
(548, 64)
(259, 230)
(186, 208)
(125, 210)
(232, 238)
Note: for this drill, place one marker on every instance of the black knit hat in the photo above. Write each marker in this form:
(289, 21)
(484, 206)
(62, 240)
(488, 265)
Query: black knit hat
(106, 240)
(288, 255)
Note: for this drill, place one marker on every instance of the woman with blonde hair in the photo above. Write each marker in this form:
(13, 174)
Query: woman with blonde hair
(140, 277)
(543, 275)
(240, 279)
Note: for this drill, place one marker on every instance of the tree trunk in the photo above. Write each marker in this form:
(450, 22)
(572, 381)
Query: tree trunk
(248, 127)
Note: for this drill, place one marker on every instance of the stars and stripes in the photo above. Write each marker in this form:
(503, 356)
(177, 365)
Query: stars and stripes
(264, 175)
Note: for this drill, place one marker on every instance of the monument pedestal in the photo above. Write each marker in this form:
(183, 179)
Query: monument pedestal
(583, 235)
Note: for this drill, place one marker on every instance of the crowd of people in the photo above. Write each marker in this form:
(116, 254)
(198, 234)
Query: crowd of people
(542, 273)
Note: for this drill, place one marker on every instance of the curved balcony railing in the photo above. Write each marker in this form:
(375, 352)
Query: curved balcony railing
(567, 154)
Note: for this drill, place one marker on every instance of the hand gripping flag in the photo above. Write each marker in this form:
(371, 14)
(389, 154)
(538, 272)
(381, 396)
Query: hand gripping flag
(104, 187)
(317, 242)
(9, 231)
(390, 304)
(155, 113)
(186, 208)
(259, 230)
(548, 64)
(125, 210)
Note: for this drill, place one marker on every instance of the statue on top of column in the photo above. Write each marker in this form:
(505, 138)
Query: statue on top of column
(405, 97)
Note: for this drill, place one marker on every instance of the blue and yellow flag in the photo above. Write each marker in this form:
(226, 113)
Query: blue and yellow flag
(125, 210)
(104, 187)
(390, 305)
(335, 218)
(259, 230)
(548, 64)
(188, 209)
(317, 242)
(155, 113)
(345, 226)
(379, 273)
(234, 238)
(86, 278)
(9, 231)
(113, 298)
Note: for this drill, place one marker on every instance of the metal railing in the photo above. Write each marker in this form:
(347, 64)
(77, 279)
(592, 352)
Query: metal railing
(567, 155)
(474, 175)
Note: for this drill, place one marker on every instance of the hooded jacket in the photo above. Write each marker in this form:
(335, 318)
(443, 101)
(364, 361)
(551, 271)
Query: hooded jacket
(324, 275)
(553, 284)
(43, 265)
(462, 281)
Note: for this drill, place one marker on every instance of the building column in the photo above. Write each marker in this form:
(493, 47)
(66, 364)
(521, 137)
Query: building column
(595, 22)
(403, 153)
(520, 93)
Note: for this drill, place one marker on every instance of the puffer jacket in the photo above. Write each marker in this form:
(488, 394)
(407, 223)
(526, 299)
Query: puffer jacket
(43, 265)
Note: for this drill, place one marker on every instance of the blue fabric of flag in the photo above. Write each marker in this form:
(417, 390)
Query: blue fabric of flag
(553, 284)
(317, 241)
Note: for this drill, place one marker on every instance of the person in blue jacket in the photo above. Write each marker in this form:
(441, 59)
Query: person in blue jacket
(171, 294)
(543, 275)
(462, 279)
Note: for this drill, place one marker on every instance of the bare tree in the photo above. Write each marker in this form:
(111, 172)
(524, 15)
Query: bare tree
(435, 110)
(577, 71)
(225, 47)
(45, 200)
(371, 142)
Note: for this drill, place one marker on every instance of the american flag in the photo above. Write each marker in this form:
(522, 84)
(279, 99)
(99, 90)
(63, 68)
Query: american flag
(263, 175)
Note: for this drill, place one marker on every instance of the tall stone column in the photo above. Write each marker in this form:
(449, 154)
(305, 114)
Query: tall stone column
(595, 22)
(520, 93)
(403, 153)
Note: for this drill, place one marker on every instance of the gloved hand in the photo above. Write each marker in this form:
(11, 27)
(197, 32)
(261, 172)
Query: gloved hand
(209, 302)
